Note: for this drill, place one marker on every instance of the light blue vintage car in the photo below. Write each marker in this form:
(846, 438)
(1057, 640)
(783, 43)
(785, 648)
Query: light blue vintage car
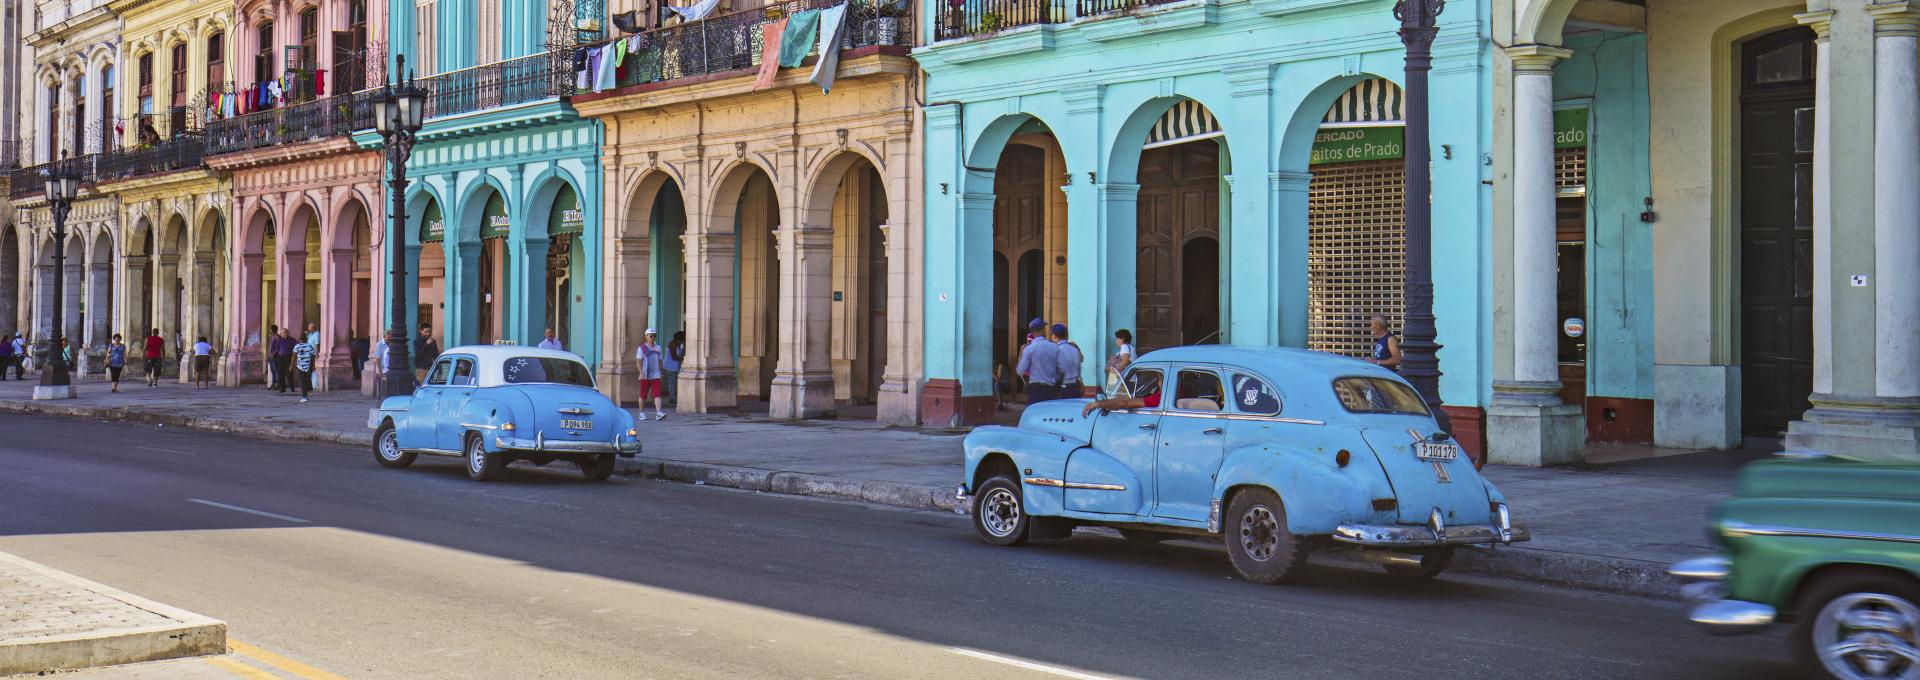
(495, 405)
(1276, 452)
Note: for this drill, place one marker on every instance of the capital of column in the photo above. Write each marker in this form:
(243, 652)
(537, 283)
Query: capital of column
(1285, 180)
(976, 201)
(1116, 190)
(1536, 59)
(1821, 23)
(1895, 19)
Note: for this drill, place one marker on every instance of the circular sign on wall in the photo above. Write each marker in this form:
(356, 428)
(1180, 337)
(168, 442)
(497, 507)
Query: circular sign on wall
(1574, 327)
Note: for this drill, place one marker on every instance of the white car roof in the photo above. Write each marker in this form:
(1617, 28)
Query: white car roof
(489, 358)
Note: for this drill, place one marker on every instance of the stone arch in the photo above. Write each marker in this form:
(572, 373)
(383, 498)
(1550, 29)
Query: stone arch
(256, 218)
(420, 196)
(640, 195)
(11, 259)
(984, 154)
(472, 201)
(1296, 137)
(546, 187)
(1123, 153)
(1543, 22)
(816, 204)
(725, 196)
(100, 272)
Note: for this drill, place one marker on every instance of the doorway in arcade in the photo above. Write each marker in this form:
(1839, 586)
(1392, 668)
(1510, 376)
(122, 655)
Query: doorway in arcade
(431, 268)
(1178, 221)
(491, 303)
(564, 227)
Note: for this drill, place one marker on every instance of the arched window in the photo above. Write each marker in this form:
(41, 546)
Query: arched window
(146, 82)
(178, 87)
(216, 61)
(108, 136)
(309, 40)
(263, 57)
(350, 50)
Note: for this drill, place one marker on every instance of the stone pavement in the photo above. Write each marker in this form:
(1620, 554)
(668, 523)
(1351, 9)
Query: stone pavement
(1610, 527)
(51, 620)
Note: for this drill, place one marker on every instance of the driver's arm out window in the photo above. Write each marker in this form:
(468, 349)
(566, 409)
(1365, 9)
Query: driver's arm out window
(1145, 384)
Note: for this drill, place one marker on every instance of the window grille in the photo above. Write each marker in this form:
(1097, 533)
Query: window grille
(1356, 253)
(1570, 170)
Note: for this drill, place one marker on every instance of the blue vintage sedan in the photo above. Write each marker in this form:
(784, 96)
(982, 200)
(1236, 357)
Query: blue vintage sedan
(1275, 452)
(495, 405)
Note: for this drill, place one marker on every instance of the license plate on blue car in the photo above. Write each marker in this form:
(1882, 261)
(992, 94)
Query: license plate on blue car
(1436, 451)
(572, 424)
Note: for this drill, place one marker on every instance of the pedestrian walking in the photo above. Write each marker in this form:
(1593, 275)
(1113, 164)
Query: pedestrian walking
(19, 356)
(266, 345)
(283, 359)
(313, 336)
(550, 342)
(651, 360)
(202, 364)
(6, 355)
(153, 349)
(1039, 364)
(1070, 360)
(425, 350)
(1123, 351)
(116, 360)
(302, 362)
(1386, 345)
(357, 349)
(670, 366)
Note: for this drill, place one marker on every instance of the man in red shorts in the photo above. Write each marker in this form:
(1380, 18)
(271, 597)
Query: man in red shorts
(650, 359)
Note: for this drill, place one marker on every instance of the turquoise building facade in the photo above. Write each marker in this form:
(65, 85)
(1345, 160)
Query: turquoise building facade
(504, 228)
(1110, 93)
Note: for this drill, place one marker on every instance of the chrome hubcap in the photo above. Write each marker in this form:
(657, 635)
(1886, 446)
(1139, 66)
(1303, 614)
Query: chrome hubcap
(390, 445)
(1000, 513)
(476, 457)
(1869, 636)
(1259, 533)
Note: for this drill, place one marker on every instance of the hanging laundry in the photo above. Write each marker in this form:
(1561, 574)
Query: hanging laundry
(697, 12)
(593, 70)
(619, 52)
(274, 91)
(320, 83)
(581, 76)
(603, 77)
(833, 21)
(799, 37)
(769, 53)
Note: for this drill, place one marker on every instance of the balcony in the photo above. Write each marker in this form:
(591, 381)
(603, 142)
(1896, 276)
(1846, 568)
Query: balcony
(505, 83)
(733, 42)
(967, 18)
(31, 181)
(1090, 8)
(181, 152)
(336, 116)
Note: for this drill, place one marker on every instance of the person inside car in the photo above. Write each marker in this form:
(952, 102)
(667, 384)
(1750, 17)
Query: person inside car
(1146, 385)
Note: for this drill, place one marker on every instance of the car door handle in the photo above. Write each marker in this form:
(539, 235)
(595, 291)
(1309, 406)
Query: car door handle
(1149, 426)
(1212, 430)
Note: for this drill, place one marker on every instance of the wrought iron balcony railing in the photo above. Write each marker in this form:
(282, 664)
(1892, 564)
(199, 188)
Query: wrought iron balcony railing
(733, 42)
(963, 18)
(1088, 8)
(336, 116)
(181, 152)
(9, 153)
(504, 83)
(31, 181)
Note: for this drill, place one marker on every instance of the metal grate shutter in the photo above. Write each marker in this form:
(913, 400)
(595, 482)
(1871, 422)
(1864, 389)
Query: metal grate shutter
(1356, 253)
(1570, 170)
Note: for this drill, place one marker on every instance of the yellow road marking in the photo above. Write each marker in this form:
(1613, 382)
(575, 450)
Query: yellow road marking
(283, 663)
(240, 669)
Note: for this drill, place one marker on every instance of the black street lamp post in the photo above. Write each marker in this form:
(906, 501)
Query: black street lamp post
(398, 112)
(1420, 361)
(62, 186)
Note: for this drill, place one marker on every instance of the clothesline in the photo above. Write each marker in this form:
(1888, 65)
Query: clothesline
(599, 68)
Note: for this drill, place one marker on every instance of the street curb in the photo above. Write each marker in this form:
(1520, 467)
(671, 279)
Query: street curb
(193, 635)
(1524, 563)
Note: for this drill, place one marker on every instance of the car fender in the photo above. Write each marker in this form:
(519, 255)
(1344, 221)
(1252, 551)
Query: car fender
(1773, 568)
(1318, 494)
(485, 415)
(395, 404)
(1035, 454)
(1090, 466)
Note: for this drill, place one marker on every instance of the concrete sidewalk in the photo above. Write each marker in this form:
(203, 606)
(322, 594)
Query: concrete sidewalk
(1612, 528)
(53, 621)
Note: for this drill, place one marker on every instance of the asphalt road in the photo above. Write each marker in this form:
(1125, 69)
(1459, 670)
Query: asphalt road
(363, 572)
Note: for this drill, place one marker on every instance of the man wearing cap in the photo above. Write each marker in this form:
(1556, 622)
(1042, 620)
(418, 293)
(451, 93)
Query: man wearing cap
(1069, 359)
(1039, 364)
(649, 358)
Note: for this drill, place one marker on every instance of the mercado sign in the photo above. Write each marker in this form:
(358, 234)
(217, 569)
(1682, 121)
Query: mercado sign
(1350, 144)
(1570, 128)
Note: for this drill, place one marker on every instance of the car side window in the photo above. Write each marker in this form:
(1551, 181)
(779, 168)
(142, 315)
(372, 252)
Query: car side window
(1145, 384)
(1253, 395)
(441, 369)
(1198, 390)
(463, 372)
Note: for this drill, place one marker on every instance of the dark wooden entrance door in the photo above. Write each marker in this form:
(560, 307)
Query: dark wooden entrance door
(1179, 202)
(1776, 230)
(1019, 238)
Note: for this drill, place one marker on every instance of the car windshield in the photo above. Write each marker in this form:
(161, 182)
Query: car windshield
(545, 370)
(1378, 395)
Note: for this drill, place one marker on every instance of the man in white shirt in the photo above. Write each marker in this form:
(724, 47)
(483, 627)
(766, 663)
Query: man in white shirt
(551, 342)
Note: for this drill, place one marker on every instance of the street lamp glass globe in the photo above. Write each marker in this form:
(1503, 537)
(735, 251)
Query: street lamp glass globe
(69, 187)
(413, 104)
(383, 110)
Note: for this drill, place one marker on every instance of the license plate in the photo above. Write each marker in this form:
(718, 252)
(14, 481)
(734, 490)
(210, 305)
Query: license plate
(571, 424)
(1436, 451)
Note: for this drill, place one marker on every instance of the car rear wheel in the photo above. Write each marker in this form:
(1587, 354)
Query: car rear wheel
(1258, 542)
(386, 448)
(1423, 565)
(597, 468)
(1000, 512)
(483, 466)
(1860, 625)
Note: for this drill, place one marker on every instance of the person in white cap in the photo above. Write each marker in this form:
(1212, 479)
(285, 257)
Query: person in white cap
(649, 356)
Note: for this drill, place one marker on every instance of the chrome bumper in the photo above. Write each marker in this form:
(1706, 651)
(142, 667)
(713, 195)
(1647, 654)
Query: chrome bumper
(1702, 582)
(1434, 533)
(962, 501)
(627, 449)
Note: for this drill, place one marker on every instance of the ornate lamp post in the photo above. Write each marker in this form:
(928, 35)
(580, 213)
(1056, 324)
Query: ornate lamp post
(62, 186)
(1420, 362)
(398, 112)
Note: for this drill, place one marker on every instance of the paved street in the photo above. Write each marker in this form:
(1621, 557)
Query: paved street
(316, 556)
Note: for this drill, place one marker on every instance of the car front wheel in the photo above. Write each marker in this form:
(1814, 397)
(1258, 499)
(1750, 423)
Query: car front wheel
(1860, 625)
(386, 448)
(483, 466)
(597, 468)
(1258, 542)
(1000, 512)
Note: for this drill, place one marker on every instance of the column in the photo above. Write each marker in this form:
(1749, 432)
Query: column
(99, 302)
(47, 148)
(959, 283)
(1866, 398)
(896, 397)
(1103, 231)
(93, 142)
(626, 318)
(335, 370)
(242, 361)
(803, 378)
(204, 295)
(708, 381)
(1527, 424)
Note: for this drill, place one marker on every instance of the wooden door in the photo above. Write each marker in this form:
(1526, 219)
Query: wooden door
(1179, 201)
(1776, 231)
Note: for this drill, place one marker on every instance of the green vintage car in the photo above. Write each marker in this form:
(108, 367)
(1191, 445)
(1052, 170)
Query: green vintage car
(1828, 546)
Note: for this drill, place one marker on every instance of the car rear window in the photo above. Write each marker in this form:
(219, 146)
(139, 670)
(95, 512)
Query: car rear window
(545, 370)
(1378, 395)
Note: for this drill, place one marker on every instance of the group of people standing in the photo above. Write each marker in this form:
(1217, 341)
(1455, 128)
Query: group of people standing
(290, 360)
(1050, 363)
